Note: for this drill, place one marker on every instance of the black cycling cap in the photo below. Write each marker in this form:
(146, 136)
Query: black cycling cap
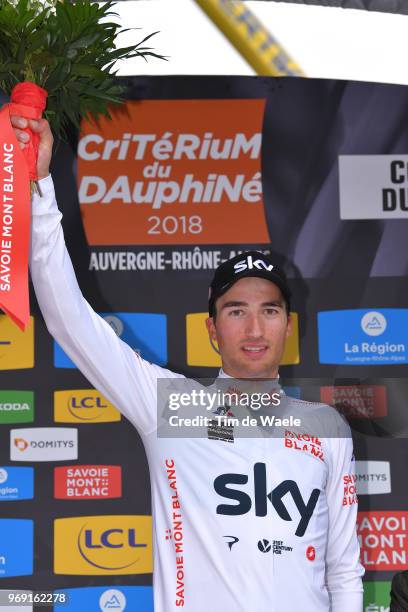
(250, 263)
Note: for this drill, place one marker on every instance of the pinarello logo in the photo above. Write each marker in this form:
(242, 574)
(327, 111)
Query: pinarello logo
(311, 553)
(20, 443)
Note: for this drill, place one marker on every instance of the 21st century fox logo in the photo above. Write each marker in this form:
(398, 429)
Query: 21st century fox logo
(43, 444)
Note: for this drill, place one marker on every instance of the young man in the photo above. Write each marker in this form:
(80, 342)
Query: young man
(258, 526)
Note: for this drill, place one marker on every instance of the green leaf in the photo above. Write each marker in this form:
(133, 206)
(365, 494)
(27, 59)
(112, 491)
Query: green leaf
(69, 49)
(58, 76)
(86, 71)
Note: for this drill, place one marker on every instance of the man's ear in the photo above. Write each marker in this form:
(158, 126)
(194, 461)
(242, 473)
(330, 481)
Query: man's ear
(289, 327)
(212, 332)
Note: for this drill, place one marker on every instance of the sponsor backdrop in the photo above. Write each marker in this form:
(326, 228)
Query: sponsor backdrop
(190, 172)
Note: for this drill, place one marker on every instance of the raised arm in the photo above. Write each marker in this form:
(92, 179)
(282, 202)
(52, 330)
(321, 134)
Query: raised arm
(109, 364)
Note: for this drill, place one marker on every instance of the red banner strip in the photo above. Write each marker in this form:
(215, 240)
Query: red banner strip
(14, 224)
(17, 168)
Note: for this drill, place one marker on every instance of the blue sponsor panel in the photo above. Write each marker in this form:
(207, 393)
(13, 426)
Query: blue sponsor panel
(16, 483)
(363, 336)
(292, 391)
(16, 547)
(146, 333)
(118, 598)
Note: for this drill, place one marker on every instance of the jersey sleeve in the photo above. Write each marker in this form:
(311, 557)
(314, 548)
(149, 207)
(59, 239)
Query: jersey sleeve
(110, 365)
(343, 569)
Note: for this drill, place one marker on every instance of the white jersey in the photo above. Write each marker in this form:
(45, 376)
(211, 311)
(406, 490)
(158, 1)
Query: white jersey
(249, 526)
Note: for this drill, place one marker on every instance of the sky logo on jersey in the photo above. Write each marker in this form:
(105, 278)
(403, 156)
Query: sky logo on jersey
(16, 407)
(16, 483)
(373, 477)
(103, 545)
(88, 482)
(44, 444)
(357, 401)
(16, 547)
(383, 540)
(363, 337)
(377, 596)
(117, 598)
(201, 353)
(83, 406)
(16, 346)
(144, 332)
(266, 501)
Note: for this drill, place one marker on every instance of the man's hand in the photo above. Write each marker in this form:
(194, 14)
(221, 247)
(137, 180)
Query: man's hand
(42, 127)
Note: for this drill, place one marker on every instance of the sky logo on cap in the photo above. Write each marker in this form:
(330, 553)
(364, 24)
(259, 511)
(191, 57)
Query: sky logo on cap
(363, 337)
(16, 547)
(83, 406)
(250, 264)
(118, 598)
(16, 483)
(16, 346)
(144, 332)
(103, 545)
(16, 407)
(201, 353)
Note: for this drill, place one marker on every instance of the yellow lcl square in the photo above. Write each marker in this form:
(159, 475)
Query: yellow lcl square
(16, 346)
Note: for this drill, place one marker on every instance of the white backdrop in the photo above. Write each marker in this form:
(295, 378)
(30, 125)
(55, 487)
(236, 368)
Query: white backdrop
(326, 42)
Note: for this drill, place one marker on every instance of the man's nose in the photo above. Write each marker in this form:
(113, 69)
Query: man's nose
(254, 326)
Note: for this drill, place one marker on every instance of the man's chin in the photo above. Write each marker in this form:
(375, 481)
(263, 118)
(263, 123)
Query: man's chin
(257, 370)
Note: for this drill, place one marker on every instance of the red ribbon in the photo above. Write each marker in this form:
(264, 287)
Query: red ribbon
(17, 168)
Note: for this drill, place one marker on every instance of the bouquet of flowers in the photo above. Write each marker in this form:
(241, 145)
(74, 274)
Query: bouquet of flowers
(56, 61)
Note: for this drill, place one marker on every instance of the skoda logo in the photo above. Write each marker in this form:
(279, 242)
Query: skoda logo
(373, 323)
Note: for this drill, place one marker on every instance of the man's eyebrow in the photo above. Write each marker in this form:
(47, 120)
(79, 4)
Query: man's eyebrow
(273, 303)
(234, 303)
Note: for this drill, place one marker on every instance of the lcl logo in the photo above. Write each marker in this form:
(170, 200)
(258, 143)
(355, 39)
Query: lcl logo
(84, 406)
(101, 545)
(86, 402)
(112, 538)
